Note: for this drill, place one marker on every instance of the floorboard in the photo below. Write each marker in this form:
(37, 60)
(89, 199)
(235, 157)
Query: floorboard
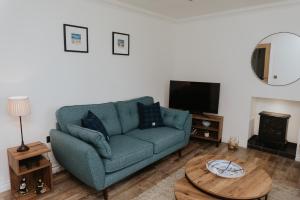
(67, 187)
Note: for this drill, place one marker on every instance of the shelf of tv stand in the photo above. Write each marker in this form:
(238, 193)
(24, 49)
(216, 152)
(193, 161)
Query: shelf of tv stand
(205, 128)
(208, 117)
(215, 129)
(205, 138)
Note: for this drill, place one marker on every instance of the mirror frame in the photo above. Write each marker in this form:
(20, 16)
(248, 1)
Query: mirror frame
(252, 69)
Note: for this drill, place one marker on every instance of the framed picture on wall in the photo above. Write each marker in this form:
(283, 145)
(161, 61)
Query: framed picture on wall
(120, 43)
(76, 39)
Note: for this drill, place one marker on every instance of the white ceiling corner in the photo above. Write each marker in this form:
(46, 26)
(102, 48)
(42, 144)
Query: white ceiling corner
(181, 10)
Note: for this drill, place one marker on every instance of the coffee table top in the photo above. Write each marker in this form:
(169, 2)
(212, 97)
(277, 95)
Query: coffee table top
(255, 184)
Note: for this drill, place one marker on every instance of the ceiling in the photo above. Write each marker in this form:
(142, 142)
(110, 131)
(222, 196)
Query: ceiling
(181, 9)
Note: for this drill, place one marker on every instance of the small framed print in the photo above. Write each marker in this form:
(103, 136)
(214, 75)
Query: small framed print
(120, 43)
(76, 39)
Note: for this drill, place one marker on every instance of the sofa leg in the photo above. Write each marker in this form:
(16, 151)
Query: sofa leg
(105, 194)
(179, 153)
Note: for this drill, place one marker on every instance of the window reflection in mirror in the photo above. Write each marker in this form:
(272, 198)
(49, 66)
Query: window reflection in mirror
(276, 59)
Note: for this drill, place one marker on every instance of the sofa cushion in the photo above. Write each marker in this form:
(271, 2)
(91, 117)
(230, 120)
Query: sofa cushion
(128, 112)
(106, 112)
(95, 138)
(126, 151)
(174, 118)
(91, 121)
(149, 116)
(161, 138)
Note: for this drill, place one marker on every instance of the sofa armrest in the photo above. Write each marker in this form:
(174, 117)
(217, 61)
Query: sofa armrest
(178, 119)
(188, 128)
(79, 158)
(174, 118)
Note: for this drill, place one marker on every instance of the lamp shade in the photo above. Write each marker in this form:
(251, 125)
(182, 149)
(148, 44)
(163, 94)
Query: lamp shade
(18, 106)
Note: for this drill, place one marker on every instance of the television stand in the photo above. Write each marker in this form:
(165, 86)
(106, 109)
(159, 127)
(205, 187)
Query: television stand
(207, 127)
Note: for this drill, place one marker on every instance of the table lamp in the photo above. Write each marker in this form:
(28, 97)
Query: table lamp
(19, 106)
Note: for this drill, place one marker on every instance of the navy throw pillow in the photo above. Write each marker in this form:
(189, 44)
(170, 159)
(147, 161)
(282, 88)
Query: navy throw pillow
(150, 116)
(91, 121)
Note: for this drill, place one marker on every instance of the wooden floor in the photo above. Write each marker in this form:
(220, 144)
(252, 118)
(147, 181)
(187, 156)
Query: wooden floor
(66, 187)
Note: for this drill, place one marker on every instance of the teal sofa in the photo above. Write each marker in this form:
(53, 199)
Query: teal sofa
(132, 148)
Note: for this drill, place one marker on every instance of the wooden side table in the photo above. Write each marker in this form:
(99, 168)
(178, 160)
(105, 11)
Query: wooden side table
(31, 165)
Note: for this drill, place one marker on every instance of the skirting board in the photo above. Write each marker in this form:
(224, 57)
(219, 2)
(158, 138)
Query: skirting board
(56, 169)
(5, 185)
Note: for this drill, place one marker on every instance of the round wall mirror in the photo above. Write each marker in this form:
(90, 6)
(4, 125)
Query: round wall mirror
(276, 59)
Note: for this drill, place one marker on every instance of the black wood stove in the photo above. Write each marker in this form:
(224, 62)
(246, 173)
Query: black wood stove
(272, 135)
(273, 129)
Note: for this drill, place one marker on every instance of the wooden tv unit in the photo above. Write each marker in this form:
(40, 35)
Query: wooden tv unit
(215, 129)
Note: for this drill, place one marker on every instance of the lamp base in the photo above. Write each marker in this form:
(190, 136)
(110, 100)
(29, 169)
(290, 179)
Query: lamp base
(22, 148)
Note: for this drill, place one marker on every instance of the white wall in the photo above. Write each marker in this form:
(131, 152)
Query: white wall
(279, 106)
(216, 49)
(219, 49)
(33, 63)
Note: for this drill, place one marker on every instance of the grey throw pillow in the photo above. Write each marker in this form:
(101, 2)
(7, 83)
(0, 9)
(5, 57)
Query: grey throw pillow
(95, 138)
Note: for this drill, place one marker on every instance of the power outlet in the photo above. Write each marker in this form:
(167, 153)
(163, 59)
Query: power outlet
(48, 139)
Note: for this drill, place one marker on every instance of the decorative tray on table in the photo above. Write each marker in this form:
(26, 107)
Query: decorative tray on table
(225, 168)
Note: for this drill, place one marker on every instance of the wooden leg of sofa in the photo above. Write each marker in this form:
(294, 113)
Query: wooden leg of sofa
(105, 194)
(179, 153)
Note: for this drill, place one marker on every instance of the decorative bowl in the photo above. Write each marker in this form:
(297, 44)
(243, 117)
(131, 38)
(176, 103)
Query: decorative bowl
(225, 169)
(206, 123)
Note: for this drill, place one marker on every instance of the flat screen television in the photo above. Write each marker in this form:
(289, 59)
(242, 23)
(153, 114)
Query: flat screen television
(197, 97)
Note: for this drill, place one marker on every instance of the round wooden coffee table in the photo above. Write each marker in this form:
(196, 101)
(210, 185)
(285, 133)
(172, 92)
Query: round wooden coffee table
(254, 185)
